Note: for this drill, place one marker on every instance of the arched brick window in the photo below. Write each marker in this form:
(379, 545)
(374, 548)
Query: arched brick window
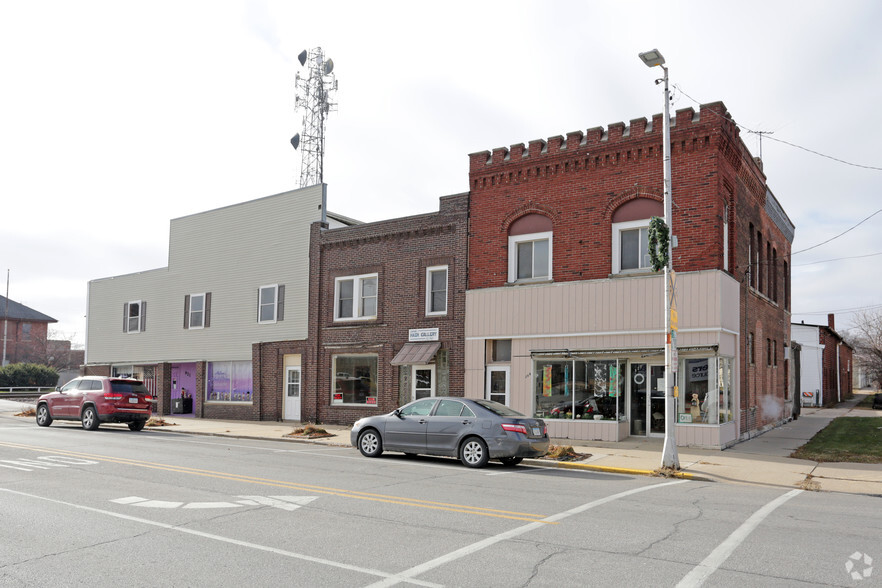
(530, 248)
(630, 234)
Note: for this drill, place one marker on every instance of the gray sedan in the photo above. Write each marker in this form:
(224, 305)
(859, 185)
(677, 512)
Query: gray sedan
(475, 431)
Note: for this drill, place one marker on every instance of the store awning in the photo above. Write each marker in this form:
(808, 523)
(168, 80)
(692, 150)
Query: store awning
(417, 353)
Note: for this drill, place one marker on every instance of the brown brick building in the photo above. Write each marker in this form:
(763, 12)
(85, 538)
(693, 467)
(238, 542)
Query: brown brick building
(386, 314)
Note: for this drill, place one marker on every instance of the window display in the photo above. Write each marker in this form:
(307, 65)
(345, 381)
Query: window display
(355, 379)
(578, 389)
(705, 385)
(228, 381)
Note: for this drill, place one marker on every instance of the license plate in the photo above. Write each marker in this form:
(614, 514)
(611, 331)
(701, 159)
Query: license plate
(537, 432)
(133, 400)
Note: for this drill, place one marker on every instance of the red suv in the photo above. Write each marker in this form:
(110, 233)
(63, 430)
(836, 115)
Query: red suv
(93, 400)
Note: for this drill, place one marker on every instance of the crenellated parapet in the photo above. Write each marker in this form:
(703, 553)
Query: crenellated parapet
(616, 144)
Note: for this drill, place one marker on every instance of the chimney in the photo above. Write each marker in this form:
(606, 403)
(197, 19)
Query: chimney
(831, 322)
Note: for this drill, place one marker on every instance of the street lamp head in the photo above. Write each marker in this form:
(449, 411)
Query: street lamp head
(652, 58)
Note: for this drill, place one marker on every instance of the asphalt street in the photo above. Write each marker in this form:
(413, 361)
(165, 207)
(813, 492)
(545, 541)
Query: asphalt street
(111, 506)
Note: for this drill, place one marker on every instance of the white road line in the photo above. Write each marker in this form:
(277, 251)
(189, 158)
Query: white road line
(718, 556)
(213, 537)
(408, 575)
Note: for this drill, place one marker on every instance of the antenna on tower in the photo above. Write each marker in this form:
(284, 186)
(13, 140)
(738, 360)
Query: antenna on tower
(314, 97)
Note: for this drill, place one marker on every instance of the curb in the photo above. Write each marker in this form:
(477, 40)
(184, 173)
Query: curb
(569, 465)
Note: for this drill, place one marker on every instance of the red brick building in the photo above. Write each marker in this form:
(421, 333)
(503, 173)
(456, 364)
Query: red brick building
(560, 281)
(386, 314)
(26, 331)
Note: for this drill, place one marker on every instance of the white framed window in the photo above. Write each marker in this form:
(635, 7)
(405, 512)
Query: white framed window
(197, 311)
(268, 297)
(355, 297)
(436, 290)
(292, 383)
(630, 247)
(134, 314)
(529, 257)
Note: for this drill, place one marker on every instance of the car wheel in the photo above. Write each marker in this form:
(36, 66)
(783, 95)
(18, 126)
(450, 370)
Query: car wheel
(44, 419)
(90, 418)
(511, 461)
(473, 453)
(369, 443)
(137, 425)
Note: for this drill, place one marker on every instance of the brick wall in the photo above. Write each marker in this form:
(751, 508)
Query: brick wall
(399, 251)
(836, 386)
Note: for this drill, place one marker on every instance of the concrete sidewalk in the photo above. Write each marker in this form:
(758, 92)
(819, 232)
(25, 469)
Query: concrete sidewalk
(762, 460)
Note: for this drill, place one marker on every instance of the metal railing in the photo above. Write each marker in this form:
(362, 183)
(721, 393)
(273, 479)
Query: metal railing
(25, 392)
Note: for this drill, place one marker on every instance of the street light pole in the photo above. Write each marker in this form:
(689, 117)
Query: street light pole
(670, 459)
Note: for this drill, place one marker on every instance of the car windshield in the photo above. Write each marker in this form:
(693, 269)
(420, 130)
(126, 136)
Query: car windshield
(496, 408)
(120, 386)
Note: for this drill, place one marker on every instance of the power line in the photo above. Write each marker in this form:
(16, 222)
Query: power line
(837, 236)
(841, 310)
(767, 133)
(837, 259)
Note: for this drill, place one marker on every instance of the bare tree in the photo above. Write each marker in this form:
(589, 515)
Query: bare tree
(866, 338)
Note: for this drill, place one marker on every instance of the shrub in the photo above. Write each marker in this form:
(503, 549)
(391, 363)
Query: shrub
(27, 375)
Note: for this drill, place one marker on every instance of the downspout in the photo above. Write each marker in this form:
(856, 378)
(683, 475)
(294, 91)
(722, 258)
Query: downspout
(838, 375)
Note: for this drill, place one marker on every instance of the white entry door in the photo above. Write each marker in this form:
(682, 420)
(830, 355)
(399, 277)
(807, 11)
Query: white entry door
(497, 384)
(423, 381)
(292, 394)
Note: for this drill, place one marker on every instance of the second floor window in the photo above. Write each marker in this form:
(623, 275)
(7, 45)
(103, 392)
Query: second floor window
(134, 316)
(631, 246)
(529, 257)
(269, 302)
(197, 311)
(436, 290)
(355, 297)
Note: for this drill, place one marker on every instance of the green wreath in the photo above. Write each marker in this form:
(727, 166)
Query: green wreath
(659, 238)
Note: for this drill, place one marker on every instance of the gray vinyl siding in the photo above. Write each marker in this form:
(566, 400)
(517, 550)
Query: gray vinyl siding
(230, 252)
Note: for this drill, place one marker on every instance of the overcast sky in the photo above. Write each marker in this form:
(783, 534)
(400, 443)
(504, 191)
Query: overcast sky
(118, 116)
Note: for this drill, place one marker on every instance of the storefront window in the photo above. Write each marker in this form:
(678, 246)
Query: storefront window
(705, 386)
(577, 389)
(228, 381)
(355, 379)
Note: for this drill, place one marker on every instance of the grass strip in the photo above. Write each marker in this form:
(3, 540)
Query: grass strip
(846, 439)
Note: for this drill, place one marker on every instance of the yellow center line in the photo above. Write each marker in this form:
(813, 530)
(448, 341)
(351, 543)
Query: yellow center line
(415, 502)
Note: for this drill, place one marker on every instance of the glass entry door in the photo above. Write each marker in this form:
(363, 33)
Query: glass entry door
(647, 399)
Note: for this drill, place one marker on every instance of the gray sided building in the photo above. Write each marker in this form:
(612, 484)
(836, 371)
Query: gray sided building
(237, 276)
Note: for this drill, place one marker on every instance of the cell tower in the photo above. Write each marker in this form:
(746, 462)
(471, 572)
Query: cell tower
(314, 97)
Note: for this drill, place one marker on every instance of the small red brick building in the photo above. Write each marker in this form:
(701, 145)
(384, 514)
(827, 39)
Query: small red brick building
(26, 331)
(826, 364)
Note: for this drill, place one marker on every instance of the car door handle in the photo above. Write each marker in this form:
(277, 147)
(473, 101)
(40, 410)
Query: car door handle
(422, 421)
(467, 422)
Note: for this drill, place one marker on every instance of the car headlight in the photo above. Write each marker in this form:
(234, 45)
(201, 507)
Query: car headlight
(357, 424)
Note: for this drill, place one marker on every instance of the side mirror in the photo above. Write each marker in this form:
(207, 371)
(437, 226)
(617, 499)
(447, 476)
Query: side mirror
(397, 413)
